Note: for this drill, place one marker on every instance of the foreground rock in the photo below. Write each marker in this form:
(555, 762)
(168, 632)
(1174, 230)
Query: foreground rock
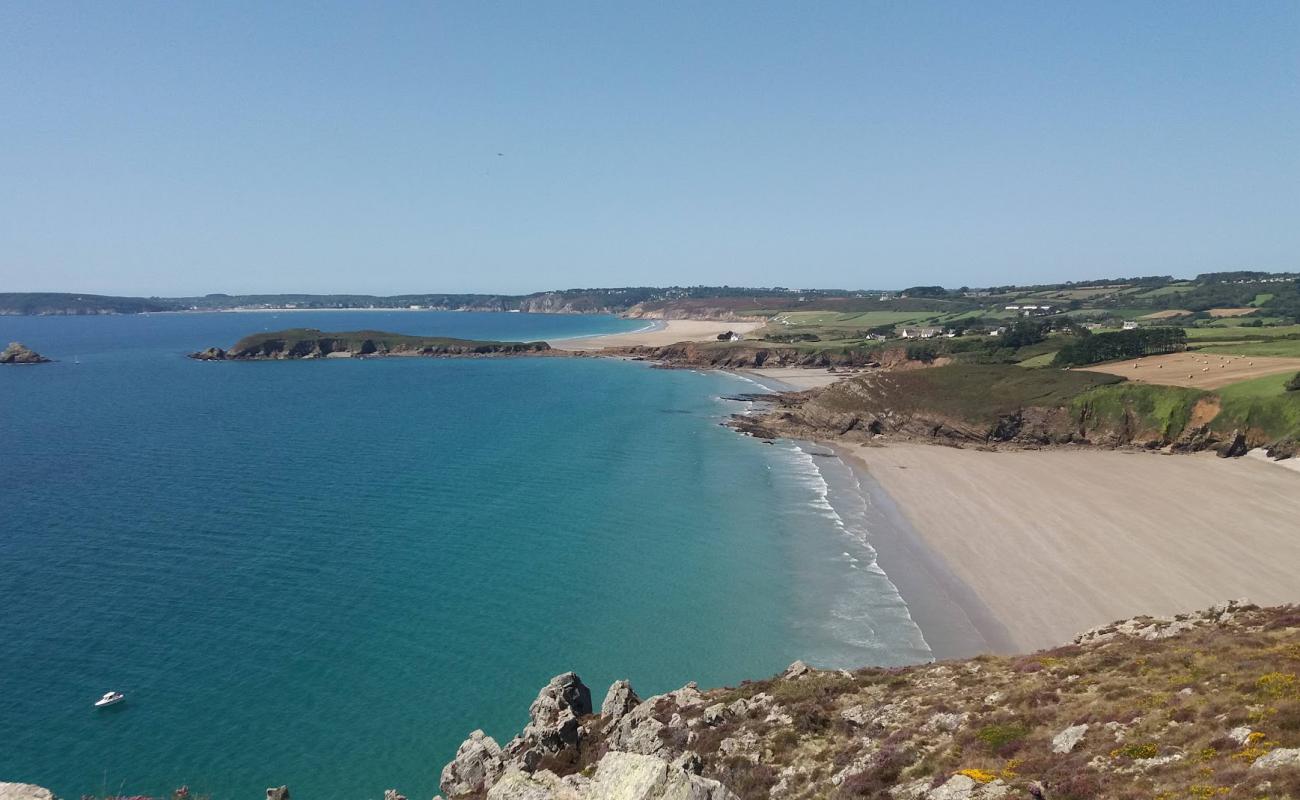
(1197, 705)
(19, 353)
(24, 791)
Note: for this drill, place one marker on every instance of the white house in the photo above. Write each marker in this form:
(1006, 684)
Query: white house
(920, 333)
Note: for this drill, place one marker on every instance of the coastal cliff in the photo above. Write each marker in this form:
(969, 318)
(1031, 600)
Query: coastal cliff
(306, 343)
(996, 405)
(745, 355)
(1197, 705)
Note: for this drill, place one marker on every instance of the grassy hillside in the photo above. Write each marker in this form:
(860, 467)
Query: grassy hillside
(1141, 408)
(978, 394)
(1262, 405)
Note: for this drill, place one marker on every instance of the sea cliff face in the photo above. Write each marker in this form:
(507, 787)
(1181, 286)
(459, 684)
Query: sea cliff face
(1006, 406)
(306, 343)
(1199, 705)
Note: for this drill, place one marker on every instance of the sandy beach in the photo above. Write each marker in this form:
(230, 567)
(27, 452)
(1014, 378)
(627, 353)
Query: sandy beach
(793, 379)
(1051, 543)
(663, 332)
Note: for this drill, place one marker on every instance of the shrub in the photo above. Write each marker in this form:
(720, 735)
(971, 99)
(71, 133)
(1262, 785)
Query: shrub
(1002, 739)
(1293, 385)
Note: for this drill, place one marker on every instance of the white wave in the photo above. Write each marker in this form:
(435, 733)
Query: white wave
(885, 595)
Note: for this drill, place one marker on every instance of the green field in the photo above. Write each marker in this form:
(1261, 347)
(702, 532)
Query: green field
(1283, 348)
(1225, 333)
(1173, 288)
(851, 320)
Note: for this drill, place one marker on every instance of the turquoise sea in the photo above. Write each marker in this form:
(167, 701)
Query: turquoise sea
(326, 573)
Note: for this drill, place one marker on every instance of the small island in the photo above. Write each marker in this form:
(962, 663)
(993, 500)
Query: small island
(19, 353)
(300, 343)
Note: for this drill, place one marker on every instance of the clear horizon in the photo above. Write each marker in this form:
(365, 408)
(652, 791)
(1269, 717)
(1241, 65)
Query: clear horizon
(156, 150)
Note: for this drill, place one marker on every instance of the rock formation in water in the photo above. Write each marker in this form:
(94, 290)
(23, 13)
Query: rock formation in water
(19, 353)
(304, 343)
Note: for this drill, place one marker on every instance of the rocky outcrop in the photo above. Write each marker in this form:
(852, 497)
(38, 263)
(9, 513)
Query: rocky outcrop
(1235, 447)
(1116, 713)
(277, 793)
(619, 776)
(553, 727)
(619, 700)
(24, 791)
(745, 355)
(18, 353)
(478, 763)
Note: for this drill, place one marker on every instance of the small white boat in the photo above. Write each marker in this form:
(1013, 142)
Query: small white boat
(109, 699)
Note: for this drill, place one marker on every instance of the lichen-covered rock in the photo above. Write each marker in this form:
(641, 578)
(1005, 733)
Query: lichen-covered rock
(638, 731)
(619, 700)
(796, 671)
(1068, 739)
(24, 791)
(1276, 759)
(479, 761)
(629, 776)
(543, 785)
(277, 793)
(620, 776)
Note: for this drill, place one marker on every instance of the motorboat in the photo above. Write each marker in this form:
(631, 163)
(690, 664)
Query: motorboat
(109, 698)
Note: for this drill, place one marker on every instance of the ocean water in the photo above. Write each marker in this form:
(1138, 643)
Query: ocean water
(326, 573)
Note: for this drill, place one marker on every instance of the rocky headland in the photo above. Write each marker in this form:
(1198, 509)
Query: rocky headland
(996, 406)
(1198, 705)
(306, 343)
(18, 353)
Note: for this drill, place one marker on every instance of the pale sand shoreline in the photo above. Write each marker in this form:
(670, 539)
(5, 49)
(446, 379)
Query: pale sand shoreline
(1054, 542)
(664, 332)
(792, 379)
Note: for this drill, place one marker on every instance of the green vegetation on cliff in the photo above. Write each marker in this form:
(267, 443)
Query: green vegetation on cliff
(1141, 409)
(310, 343)
(978, 394)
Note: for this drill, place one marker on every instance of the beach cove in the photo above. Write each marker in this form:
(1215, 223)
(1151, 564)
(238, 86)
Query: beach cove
(296, 553)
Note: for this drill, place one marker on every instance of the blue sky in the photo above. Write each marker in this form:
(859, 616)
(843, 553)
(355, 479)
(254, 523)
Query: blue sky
(178, 148)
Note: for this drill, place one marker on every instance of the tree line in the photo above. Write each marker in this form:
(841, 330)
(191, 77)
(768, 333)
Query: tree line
(1111, 346)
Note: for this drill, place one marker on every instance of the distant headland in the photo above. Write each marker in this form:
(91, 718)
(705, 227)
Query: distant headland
(302, 343)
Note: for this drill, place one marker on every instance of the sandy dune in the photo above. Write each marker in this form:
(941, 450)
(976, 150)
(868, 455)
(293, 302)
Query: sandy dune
(665, 332)
(1055, 542)
(1201, 370)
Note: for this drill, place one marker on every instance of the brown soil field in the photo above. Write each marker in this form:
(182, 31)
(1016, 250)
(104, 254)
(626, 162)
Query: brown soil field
(1199, 370)
(1231, 312)
(1169, 314)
